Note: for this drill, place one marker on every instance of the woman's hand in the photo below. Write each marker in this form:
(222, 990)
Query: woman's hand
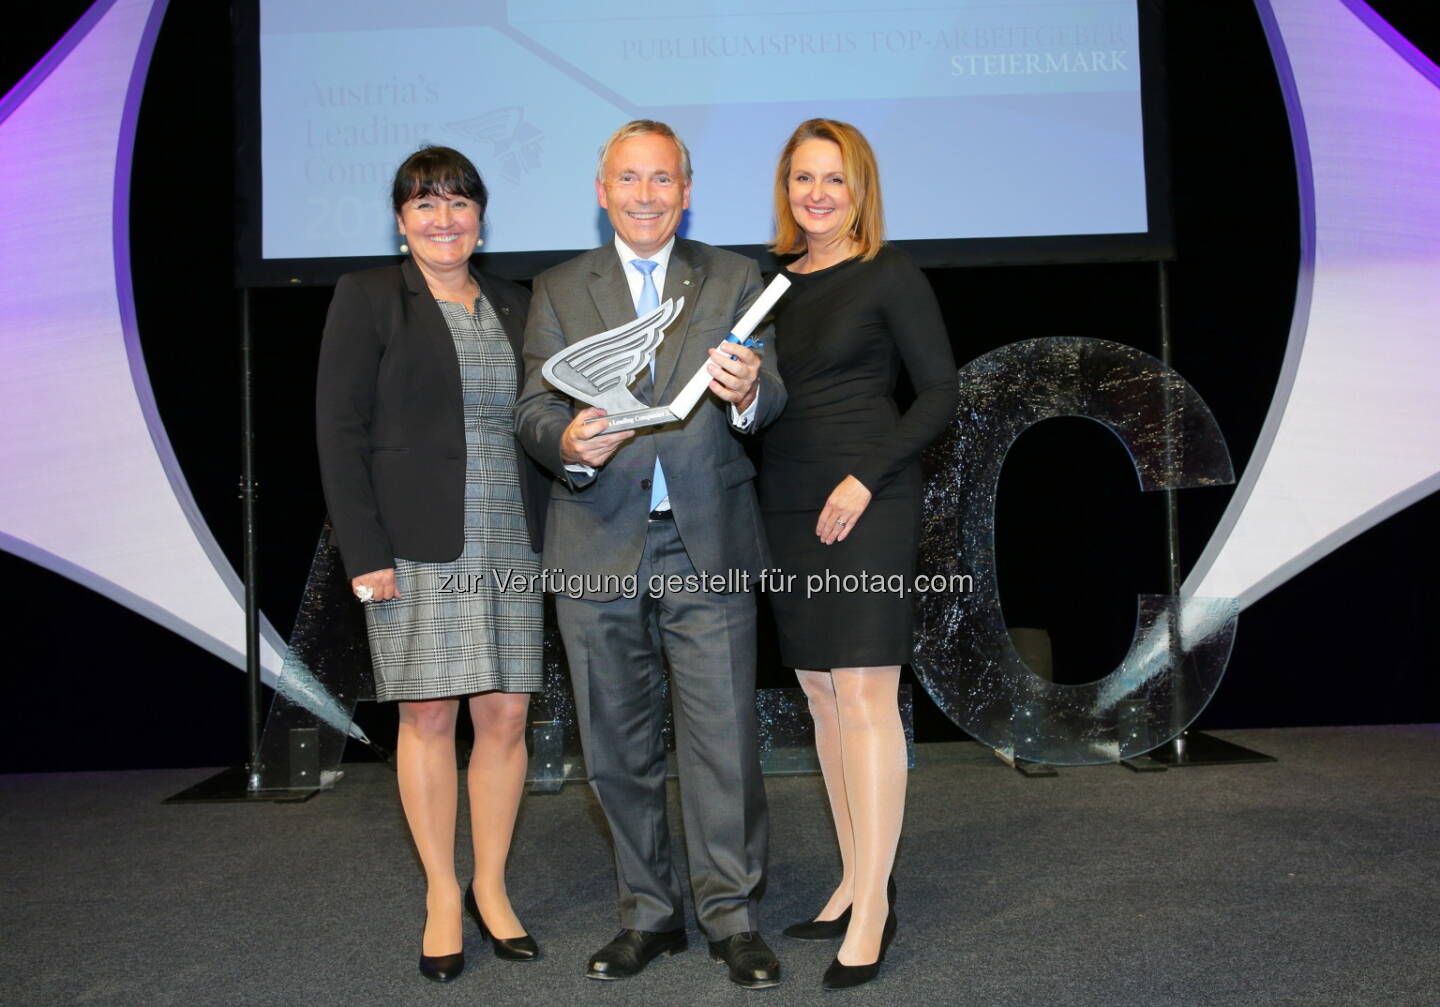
(381, 582)
(847, 502)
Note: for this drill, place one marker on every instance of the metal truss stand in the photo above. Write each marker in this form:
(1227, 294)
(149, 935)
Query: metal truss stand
(241, 783)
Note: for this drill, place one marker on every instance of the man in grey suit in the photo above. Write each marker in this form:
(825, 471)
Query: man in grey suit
(669, 503)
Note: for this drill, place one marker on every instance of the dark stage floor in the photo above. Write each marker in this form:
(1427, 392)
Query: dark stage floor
(1312, 880)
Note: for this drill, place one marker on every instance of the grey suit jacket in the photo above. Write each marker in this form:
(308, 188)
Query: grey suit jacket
(597, 525)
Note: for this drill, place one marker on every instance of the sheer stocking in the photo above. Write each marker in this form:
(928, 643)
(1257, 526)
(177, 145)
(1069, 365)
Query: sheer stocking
(820, 691)
(871, 748)
(425, 765)
(496, 781)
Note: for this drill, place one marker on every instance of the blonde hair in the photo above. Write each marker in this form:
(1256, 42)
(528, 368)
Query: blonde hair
(642, 127)
(865, 223)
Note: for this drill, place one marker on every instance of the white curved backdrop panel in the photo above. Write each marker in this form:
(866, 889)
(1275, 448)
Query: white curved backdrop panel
(89, 486)
(1353, 433)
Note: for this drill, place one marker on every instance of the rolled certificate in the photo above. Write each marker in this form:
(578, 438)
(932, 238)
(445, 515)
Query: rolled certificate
(681, 405)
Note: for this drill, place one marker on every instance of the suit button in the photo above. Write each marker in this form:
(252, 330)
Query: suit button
(644, 484)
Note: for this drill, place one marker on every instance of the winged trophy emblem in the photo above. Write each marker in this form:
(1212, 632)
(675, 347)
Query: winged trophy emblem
(599, 368)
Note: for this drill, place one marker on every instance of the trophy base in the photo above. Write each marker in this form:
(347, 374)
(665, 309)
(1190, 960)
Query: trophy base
(652, 417)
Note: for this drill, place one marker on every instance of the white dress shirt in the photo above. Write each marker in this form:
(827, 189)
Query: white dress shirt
(636, 281)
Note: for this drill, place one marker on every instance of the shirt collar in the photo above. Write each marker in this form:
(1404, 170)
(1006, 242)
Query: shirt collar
(626, 253)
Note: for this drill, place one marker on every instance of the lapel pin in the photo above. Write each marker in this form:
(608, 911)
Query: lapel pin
(686, 282)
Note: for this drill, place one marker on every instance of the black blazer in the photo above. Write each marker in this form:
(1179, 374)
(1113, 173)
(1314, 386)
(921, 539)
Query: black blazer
(389, 419)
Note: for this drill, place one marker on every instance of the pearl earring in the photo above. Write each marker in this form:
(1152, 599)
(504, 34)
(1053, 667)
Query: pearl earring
(404, 248)
(479, 242)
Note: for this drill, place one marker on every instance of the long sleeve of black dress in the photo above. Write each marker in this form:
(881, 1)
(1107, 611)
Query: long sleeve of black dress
(845, 332)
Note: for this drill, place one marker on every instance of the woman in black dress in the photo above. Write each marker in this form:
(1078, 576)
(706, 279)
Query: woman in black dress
(840, 489)
(430, 498)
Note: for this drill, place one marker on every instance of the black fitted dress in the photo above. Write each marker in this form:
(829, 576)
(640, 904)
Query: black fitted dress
(843, 334)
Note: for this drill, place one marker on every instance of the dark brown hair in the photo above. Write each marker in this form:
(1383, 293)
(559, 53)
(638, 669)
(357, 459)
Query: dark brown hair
(438, 171)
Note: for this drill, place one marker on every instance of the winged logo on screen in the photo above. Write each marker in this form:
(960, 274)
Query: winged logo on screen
(599, 368)
(515, 143)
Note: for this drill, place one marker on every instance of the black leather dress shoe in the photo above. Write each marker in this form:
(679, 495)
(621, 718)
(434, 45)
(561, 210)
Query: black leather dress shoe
(752, 964)
(631, 951)
(442, 968)
(513, 949)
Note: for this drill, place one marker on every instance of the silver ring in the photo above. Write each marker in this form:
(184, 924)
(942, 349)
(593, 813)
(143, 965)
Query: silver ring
(364, 593)
(839, 520)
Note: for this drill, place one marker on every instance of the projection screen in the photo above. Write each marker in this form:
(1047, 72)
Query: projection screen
(1014, 129)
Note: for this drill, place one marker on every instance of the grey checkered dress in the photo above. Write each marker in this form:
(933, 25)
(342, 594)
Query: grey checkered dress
(462, 627)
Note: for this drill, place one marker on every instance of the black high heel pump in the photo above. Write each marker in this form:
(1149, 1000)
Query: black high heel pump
(513, 949)
(843, 977)
(825, 930)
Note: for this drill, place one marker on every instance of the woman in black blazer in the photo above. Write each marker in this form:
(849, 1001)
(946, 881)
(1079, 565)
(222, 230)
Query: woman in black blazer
(438, 516)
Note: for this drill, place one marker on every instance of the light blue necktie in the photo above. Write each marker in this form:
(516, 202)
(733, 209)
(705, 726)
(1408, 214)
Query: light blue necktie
(649, 301)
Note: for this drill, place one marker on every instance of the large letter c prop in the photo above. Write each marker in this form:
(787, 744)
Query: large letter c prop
(963, 654)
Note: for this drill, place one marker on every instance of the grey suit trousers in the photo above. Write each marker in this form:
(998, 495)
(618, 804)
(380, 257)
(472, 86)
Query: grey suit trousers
(708, 641)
